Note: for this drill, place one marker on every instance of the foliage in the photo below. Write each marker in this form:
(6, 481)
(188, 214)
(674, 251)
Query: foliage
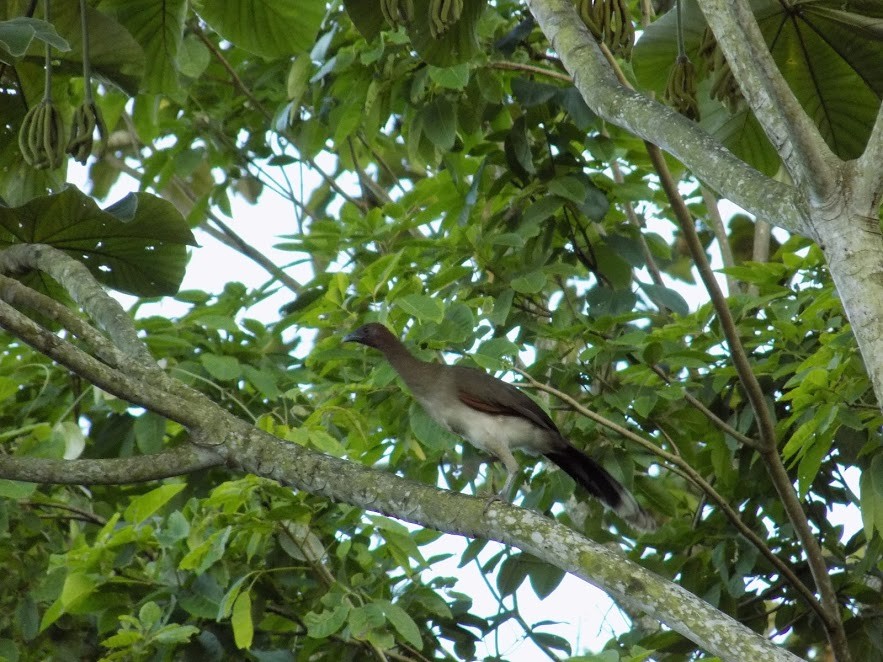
(476, 204)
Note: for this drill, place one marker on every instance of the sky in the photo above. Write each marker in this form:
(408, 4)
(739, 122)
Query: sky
(582, 614)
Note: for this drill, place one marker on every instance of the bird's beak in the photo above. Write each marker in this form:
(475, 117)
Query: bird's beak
(351, 337)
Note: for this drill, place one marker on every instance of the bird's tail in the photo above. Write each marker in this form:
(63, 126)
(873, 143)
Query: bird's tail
(597, 482)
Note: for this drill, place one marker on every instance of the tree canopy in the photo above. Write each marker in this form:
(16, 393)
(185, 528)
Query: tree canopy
(522, 187)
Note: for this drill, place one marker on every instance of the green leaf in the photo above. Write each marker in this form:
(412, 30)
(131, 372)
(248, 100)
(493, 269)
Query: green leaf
(158, 27)
(207, 553)
(512, 574)
(366, 17)
(193, 57)
(665, 297)
(366, 618)
(298, 79)
(150, 430)
(440, 123)
(144, 256)
(16, 489)
(322, 625)
(403, 623)
(175, 634)
(149, 614)
(243, 626)
(27, 619)
(529, 93)
(544, 577)
(123, 639)
(502, 306)
(77, 585)
(569, 187)
(223, 368)
(269, 28)
(453, 78)
(143, 506)
(17, 34)
(422, 307)
(871, 488)
(530, 283)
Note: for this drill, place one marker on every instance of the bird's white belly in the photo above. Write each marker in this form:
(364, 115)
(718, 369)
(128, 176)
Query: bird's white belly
(489, 432)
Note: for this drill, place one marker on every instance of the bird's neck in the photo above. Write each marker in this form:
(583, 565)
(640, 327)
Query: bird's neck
(417, 374)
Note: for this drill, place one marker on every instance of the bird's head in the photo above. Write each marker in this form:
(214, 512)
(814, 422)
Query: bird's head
(373, 335)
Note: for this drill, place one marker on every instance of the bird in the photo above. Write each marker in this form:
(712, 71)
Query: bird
(498, 418)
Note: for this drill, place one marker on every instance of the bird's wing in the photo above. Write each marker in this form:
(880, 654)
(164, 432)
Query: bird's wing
(486, 393)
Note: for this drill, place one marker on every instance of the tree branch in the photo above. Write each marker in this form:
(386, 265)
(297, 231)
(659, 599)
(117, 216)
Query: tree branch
(798, 142)
(74, 276)
(690, 474)
(257, 452)
(132, 384)
(705, 156)
(868, 169)
(115, 471)
(766, 426)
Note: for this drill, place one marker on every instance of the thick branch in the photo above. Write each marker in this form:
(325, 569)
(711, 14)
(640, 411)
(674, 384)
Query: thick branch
(701, 153)
(84, 289)
(868, 191)
(795, 137)
(132, 385)
(257, 452)
(116, 471)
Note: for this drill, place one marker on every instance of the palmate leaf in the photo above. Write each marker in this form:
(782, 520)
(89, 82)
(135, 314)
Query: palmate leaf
(831, 57)
(136, 246)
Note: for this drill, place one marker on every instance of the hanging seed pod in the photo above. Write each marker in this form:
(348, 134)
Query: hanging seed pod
(680, 90)
(397, 12)
(41, 137)
(723, 84)
(610, 22)
(87, 118)
(442, 15)
(587, 14)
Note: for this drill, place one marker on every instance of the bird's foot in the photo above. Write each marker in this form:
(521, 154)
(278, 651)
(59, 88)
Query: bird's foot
(493, 498)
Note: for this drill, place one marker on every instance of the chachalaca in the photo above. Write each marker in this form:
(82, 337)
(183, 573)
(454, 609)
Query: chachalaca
(497, 418)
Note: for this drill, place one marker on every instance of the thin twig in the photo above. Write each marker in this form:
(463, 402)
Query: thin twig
(694, 477)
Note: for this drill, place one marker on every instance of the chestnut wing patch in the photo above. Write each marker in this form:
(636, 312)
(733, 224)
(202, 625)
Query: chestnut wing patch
(483, 405)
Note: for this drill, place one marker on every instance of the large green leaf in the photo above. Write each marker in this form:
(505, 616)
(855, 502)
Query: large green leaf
(830, 53)
(158, 28)
(269, 28)
(136, 246)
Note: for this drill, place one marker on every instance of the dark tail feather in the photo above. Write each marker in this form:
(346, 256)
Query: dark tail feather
(597, 482)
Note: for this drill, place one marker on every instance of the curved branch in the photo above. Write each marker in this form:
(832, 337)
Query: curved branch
(133, 384)
(84, 289)
(16, 294)
(798, 142)
(116, 471)
(262, 454)
(766, 425)
(705, 156)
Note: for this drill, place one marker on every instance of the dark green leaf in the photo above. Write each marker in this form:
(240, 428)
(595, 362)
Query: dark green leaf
(145, 256)
(440, 123)
(269, 28)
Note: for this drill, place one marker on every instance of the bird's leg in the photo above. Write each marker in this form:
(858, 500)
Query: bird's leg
(507, 493)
